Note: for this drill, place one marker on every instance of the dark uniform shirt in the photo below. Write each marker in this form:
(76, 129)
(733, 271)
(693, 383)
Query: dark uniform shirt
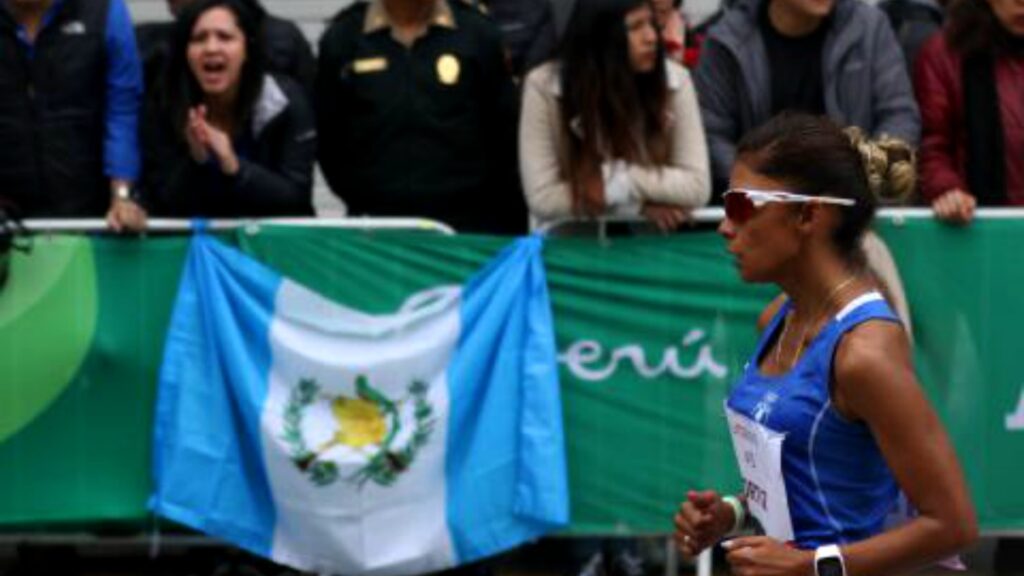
(425, 130)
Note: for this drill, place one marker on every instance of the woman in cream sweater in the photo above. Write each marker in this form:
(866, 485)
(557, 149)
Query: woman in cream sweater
(612, 127)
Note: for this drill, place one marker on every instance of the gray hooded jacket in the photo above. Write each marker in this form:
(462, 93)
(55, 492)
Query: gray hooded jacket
(865, 76)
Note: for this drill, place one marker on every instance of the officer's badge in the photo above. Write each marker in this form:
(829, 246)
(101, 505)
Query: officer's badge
(448, 69)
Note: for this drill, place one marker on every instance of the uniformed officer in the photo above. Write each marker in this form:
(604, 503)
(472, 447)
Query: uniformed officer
(417, 115)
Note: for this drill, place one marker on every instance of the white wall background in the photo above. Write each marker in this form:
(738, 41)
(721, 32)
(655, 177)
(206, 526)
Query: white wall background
(310, 15)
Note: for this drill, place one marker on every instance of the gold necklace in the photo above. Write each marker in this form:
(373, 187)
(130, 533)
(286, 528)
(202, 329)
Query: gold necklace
(803, 335)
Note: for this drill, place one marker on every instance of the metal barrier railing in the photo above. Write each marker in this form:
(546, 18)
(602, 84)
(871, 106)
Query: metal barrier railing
(702, 216)
(714, 215)
(180, 225)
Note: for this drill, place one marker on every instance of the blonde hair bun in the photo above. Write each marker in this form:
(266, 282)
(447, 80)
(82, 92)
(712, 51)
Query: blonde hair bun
(889, 163)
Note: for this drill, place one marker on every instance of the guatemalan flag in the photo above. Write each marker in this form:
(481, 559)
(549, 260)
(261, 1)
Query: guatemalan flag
(340, 442)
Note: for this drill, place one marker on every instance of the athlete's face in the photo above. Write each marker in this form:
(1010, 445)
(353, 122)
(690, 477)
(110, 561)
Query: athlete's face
(766, 243)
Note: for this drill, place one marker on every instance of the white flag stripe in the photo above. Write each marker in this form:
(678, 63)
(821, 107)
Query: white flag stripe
(313, 310)
(401, 528)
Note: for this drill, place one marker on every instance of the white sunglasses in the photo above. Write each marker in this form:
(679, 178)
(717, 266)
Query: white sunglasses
(740, 203)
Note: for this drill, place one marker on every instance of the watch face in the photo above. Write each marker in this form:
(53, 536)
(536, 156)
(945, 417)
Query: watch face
(830, 567)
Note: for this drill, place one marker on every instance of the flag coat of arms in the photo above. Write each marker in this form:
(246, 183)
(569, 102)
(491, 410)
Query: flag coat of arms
(336, 441)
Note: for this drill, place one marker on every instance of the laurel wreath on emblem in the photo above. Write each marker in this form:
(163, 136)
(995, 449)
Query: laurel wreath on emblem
(388, 462)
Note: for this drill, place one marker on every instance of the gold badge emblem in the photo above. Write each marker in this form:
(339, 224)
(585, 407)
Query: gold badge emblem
(448, 69)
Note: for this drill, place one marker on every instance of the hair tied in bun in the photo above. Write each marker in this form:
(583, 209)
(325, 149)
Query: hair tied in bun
(889, 164)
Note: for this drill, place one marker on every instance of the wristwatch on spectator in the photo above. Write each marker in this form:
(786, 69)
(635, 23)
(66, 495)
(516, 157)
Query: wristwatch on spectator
(828, 561)
(123, 191)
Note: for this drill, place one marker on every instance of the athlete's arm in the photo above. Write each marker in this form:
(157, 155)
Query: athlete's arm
(875, 383)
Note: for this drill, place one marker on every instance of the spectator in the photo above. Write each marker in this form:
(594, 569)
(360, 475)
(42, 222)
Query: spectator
(528, 29)
(914, 21)
(417, 113)
(285, 50)
(673, 28)
(227, 139)
(970, 84)
(613, 127)
(829, 56)
(70, 85)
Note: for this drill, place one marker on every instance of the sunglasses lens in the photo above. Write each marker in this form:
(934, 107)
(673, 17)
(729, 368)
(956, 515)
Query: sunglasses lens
(738, 207)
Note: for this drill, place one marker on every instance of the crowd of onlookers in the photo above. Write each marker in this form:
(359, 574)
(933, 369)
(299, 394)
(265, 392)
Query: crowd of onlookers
(487, 117)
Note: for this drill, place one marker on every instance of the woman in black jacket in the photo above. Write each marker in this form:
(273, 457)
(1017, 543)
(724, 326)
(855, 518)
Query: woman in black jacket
(225, 139)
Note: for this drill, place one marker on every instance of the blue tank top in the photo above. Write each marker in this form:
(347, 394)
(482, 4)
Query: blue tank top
(838, 485)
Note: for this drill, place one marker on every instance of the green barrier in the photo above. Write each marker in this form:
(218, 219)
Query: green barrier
(651, 331)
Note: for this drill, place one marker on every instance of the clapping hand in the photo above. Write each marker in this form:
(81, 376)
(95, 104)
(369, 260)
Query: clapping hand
(205, 139)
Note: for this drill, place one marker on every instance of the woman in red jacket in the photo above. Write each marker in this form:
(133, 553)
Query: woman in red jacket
(970, 85)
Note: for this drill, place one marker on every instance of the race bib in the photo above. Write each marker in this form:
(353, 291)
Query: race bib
(759, 454)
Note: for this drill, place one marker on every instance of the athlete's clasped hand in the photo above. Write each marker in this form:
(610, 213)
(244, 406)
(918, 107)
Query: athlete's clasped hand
(703, 519)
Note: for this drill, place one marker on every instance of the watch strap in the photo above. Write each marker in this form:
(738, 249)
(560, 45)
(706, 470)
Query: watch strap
(123, 192)
(829, 552)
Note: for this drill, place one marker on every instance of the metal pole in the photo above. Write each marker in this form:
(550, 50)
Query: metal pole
(704, 563)
(671, 557)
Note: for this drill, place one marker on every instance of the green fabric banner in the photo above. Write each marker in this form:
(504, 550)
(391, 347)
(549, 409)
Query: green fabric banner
(651, 331)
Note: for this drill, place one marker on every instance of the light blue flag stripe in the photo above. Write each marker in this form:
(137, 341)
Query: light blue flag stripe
(209, 472)
(507, 480)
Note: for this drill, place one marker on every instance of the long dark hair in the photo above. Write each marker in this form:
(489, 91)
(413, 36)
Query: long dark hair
(813, 155)
(183, 91)
(972, 29)
(619, 111)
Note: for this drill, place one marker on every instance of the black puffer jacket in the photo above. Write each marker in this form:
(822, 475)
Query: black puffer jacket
(285, 49)
(276, 163)
(52, 114)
